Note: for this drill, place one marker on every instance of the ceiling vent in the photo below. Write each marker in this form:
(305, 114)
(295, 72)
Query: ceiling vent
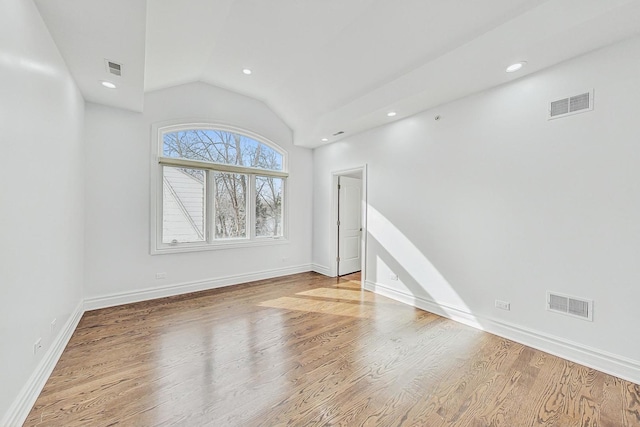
(113, 67)
(571, 306)
(571, 105)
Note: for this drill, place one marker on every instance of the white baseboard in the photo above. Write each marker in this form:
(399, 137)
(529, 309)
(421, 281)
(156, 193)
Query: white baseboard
(23, 403)
(612, 364)
(105, 301)
(321, 269)
(619, 366)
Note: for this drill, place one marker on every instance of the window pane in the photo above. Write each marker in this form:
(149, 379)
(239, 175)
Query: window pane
(230, 205)
(183, 202)
(218, 146)
(268, 206)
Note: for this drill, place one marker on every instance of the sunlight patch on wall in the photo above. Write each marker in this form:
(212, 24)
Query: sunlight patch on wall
(425, 280)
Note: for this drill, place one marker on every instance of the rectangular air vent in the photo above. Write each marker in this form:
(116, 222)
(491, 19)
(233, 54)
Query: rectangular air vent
(565, 304)
(571, 105)
(113, 67)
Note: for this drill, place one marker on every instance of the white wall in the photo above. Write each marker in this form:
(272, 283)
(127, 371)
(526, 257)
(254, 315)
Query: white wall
(118, 191)
(41, 195)
(493, 201)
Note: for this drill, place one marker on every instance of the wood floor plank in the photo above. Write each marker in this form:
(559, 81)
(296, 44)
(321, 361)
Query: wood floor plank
(307, 350)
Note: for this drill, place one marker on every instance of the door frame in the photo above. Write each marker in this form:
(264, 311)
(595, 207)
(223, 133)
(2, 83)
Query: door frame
(335, 194)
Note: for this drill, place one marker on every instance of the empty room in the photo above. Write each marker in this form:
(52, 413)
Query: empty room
(320, 212)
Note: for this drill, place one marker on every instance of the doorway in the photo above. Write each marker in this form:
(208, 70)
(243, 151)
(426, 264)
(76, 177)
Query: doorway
(349, 219)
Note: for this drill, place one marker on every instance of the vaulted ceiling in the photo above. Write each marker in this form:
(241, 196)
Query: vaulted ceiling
(326, 66)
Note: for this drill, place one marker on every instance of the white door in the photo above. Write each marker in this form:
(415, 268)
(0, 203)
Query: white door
(349, 224)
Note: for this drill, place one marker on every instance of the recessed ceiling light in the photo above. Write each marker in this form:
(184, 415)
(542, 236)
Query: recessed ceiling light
(324, 139)
(391, 113)
(246, 71)
(108, 85)
(515, 67)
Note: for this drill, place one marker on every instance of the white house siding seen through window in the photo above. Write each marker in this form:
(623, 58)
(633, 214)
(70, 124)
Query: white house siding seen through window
(218, 186)
(183, 205)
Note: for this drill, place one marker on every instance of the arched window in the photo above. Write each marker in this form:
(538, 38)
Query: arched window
(221, 147)
(217, 186)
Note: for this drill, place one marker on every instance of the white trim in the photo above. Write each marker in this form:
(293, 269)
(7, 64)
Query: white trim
(157, 129)
(105, 301)
(23, 403)
(609, 363)
(333, 250)
(219, 167)
(210, 243)
(326, 271)
(365, 216)
(612, 364)
(156, 247)
(229, 244)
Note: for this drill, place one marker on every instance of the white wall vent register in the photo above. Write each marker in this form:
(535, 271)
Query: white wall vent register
(565, 304)
(571, 105)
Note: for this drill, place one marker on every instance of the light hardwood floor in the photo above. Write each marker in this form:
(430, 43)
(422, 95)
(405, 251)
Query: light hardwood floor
(308, 350)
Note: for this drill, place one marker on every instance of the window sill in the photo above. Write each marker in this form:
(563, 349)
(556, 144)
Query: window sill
(218, 246)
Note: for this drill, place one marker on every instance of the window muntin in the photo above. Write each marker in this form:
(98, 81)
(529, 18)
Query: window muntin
(222, 147)
(230, 168)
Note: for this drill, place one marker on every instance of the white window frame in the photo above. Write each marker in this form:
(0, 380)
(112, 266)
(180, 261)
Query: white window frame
(156, 203)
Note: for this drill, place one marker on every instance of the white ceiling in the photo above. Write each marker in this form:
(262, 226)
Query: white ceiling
(327, 65)
(89, 31)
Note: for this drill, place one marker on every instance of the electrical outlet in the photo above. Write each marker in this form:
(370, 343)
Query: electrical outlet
(161, 275)
(53, 326)
(393, 276)
(503, 305)
(37, 346)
